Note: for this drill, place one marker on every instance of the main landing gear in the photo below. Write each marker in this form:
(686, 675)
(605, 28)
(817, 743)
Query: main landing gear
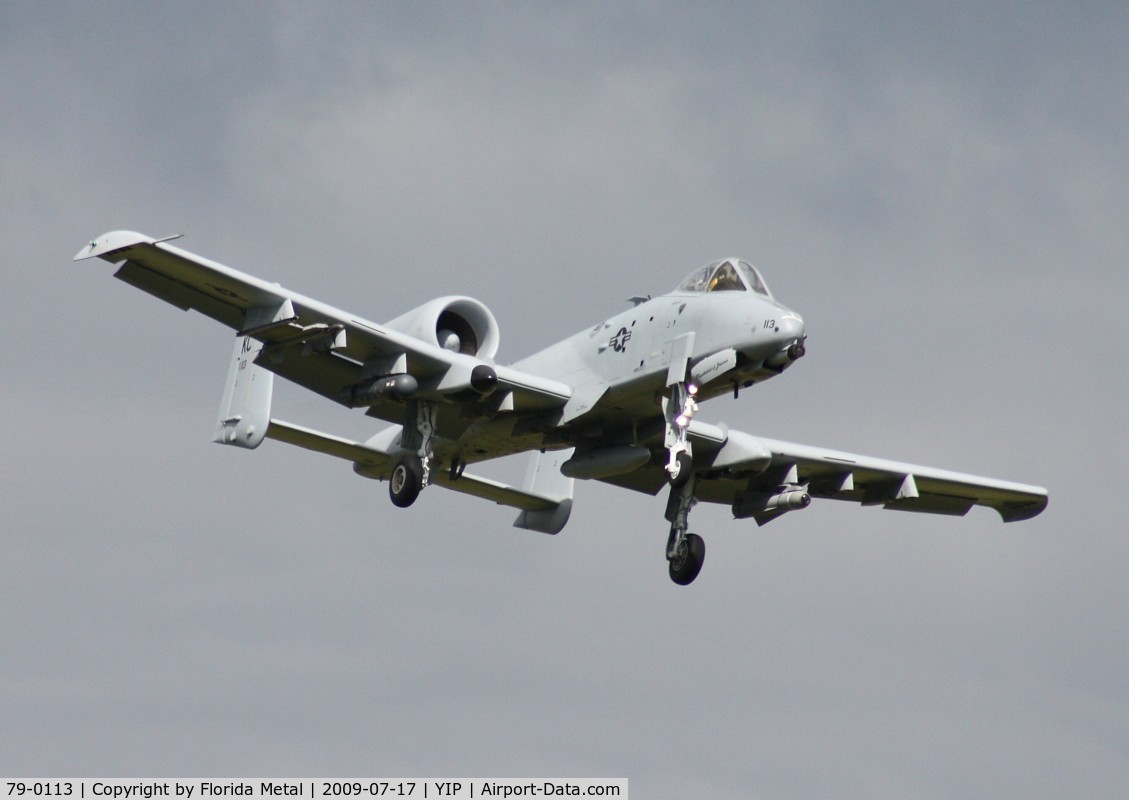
(413, 472)
(685, 552)
(406, 482)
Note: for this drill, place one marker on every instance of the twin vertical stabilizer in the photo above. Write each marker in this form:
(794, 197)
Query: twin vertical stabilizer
(543, 477)
(245, 407)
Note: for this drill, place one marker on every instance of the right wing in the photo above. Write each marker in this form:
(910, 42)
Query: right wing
(754, 475)
(308, 342)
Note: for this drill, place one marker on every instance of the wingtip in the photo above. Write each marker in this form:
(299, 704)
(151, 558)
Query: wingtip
(1019, 511)
(111, 242)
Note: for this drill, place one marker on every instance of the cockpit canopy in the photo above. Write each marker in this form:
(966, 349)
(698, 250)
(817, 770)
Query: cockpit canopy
(727, 275)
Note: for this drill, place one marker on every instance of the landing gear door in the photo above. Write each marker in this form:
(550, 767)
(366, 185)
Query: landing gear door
(680, 356)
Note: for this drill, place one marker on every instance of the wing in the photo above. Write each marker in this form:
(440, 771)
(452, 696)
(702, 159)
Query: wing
(764, 478)
(310, 343)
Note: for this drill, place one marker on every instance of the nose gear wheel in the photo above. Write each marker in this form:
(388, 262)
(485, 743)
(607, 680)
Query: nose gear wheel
(687, 562)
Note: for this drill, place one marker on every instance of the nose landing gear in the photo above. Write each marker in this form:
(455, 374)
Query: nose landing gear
(678, 410)
(685, 566)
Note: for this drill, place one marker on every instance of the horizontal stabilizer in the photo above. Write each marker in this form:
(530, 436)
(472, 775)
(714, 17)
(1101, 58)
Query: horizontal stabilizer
(500, 493)
(377, 462)
(328, 444)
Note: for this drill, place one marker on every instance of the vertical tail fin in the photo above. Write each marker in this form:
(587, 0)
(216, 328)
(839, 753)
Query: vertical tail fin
(245, 407)
(543, 477)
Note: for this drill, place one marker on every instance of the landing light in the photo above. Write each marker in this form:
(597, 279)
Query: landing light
(688, 407)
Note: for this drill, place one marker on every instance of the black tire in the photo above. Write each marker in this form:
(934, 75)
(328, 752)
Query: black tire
(685, 567)
(406, 482)
(685, 465)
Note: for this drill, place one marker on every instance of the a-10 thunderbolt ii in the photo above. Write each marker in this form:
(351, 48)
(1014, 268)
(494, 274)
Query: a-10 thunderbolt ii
(614, 403)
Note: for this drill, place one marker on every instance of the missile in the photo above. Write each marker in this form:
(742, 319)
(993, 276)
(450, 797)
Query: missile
(397, 387)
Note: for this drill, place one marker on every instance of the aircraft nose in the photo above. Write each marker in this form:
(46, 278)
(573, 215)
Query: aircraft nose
(790, 336)
(791, 327)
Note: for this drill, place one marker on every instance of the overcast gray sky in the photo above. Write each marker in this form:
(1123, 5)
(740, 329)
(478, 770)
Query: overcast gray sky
(940, 189)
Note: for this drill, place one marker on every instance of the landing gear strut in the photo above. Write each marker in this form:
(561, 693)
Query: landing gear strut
(685, 551)
(679, 410)
(413, 472)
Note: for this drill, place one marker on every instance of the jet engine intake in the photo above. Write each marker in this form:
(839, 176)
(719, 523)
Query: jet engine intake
(459, 324)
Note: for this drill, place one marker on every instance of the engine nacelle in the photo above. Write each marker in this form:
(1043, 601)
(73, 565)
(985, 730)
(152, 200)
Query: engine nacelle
(459, 324)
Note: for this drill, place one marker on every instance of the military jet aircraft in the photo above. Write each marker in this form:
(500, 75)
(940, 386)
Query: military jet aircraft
(614, 403)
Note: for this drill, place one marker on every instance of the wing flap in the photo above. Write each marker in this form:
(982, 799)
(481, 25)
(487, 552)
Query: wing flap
(183, 279)
(183, 297)
(934, 504)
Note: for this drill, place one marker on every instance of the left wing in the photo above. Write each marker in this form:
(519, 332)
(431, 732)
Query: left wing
(308, 342)
(764, 478)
